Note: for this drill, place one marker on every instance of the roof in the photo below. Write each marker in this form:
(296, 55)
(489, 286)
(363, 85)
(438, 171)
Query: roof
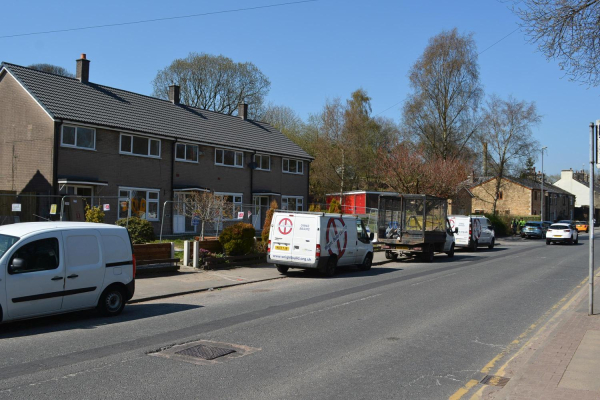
(26, 228)
(69, 99)
(530, 184)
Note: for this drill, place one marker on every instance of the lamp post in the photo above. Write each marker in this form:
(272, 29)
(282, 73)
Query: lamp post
(542, 199)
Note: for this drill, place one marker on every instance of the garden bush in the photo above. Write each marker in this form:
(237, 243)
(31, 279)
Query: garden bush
(238, 239)
(140, 230)
(94, 214)
(501, 225)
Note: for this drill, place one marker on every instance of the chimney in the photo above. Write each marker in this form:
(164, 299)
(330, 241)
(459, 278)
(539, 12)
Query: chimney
(485, 159)
(174, 94)
(243, 111)
(83, 69)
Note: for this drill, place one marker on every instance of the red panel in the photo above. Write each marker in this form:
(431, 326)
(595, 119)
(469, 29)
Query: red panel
(361, 203)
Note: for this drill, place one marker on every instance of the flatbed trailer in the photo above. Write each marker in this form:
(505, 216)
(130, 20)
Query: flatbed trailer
(414, 225)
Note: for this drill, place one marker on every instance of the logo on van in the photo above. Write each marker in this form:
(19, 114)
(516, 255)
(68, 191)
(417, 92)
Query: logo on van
(334, 235)
(476, 228)
(285, 226)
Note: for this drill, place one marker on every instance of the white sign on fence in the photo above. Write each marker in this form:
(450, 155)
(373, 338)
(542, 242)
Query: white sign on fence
(240, 215)
(16, 207)
(106, 207)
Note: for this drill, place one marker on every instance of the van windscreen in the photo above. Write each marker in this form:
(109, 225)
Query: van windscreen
(6, 243)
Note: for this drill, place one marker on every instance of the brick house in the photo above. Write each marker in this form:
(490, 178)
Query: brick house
(578, 184)
(522, 196)
(69, 136)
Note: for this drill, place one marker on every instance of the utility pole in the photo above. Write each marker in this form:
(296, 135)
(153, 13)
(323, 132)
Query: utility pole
(591, 217)
(542, 217)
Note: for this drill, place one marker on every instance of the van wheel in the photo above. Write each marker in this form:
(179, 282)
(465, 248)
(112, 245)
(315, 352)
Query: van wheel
(474, 245)
(367, 262)
(282, 269)
(451, 252)
(492, 243)
(112, 301)
(330, 267)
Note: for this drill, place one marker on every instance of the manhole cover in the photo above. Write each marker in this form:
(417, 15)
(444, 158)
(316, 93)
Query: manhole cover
(494, 380)
(205, 352)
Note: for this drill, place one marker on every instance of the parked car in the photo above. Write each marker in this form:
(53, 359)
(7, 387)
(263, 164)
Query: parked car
(473, 231)
(57, 267)
(535, 229)
(562, 233)
(582, 226)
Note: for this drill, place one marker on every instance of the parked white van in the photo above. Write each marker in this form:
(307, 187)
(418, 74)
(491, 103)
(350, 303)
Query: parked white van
(312, 240)
(473, 231)
(56, 267)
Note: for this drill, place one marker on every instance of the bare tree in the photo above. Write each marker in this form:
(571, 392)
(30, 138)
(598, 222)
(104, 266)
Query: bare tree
(507, 131)
(567, 31)
(214, 83)
(205, 206)
(53, 69)
(441, 113)
(286, 121)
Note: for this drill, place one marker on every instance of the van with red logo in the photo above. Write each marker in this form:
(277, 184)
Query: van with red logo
(473, 231)
(317, 240)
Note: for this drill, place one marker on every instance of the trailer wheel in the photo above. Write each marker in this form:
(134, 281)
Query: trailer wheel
(330, 267)
(366, 264)
(451, 252)
(282, 269)
(390, 255)
(427, 256)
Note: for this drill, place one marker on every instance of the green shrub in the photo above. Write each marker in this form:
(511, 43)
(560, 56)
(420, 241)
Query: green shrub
(266, 231)
(501, 226)
(140, 230)
(94, 214)
(238, 239)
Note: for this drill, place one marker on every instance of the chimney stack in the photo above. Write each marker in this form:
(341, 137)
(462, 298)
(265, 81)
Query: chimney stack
(243, 111)
(83, 69)
(174, 94)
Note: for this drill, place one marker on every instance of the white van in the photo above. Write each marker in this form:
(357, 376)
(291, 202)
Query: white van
(473, 231)
(56, 267)
(312, 240)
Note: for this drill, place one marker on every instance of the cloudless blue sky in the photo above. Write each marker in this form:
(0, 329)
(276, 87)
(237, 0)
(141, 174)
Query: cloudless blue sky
(310, 52)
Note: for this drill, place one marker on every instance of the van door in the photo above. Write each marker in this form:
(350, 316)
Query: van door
(304, 241)
(281, 236)
(340, 239)
(84, 268)
(363, 243)
(35, 276)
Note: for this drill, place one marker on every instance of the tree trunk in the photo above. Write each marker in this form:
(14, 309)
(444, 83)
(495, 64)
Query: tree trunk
(202, 231)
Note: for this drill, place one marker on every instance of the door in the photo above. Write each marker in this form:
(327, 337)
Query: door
(261, 205)
(362, 242)
(340, 239)
(449, 237)
(35, 286)
(182, 219)
(84, 268)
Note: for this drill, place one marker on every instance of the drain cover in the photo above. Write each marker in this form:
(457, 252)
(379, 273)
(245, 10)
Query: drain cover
(205, 352)
(494, 380)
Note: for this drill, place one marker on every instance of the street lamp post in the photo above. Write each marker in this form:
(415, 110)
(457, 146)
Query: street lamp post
(542, 200)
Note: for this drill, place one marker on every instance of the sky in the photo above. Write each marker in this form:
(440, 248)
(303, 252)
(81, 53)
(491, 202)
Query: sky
(311, 51)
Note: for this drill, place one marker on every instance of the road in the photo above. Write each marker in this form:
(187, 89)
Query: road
(404, 330)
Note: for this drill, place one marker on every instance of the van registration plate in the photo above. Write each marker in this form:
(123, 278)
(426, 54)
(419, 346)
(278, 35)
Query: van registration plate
(284, 248)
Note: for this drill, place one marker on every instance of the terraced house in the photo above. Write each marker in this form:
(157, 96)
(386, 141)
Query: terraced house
(61, 135)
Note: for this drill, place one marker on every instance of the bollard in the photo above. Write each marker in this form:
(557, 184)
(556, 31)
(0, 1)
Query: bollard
(196, 253)
(186, 253)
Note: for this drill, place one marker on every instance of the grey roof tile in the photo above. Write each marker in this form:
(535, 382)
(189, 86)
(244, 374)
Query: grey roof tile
(69, 99)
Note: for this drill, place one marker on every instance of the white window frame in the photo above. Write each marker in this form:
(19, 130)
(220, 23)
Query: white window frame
(235, 204)
(261, 156)
(185, 152)
(131, 153)
(148, 201)
(285, 199)
(298, 162)
(74, 146)
(235, 153)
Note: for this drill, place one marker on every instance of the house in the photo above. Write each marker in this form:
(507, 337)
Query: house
(135, 154)
(461, 203)
(578, 183)
(522, 197)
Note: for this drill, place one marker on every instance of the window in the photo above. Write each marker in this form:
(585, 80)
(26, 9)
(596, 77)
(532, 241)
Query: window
(229, 158)
(144, 203)
(293, 166)
(186, 152)
(233, 200)
(292, 203)
(140, 146)
(40, 255)
(263, 162)
(535, 196)
(77, 136)
(500, 195)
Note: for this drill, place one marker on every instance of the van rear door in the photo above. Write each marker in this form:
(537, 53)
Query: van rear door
(294, 238)
(462, 223)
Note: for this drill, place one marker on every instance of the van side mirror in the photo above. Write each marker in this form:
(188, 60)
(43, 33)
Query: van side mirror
(17, 265)
(371, 236)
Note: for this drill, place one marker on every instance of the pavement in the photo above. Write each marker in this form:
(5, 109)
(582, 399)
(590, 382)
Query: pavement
(561, 360)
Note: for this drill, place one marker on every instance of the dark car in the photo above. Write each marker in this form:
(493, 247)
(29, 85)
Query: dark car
(535, 229)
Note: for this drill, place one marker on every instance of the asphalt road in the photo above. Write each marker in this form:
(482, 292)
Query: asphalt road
(404, 330)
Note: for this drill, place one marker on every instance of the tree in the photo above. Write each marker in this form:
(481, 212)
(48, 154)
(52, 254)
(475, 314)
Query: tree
(214, 83)
(205, 206)
(266, 231)
(508, 133)
(286, 121)
(441, 113)
(567, 31)
(53, 69)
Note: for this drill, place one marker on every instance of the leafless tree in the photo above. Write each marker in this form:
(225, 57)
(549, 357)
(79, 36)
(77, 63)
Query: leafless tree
(205, 206)
(567, 31)
(441, 113)
(214, 83)
(53, 69)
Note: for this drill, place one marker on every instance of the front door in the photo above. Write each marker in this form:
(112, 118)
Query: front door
(37, 286)
(182, 220)
(261, 205)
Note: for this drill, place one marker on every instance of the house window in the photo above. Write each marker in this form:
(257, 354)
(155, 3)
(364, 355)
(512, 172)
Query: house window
(229, 158)
(234, 204)
(263, 162)
(293, 166)
(500, 195)
(79, 137)
(144, 203)
(535, 197)
(140, 146)
(292, 203)
(186, 152)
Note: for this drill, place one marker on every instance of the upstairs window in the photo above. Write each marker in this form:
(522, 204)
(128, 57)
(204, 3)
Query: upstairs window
(79, 137)
(186, 152)
(293, 166)
(140, 146)
(229, 158)
(263, 162)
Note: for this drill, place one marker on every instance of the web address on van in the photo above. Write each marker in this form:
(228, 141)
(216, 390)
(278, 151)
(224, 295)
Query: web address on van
(292, 258)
